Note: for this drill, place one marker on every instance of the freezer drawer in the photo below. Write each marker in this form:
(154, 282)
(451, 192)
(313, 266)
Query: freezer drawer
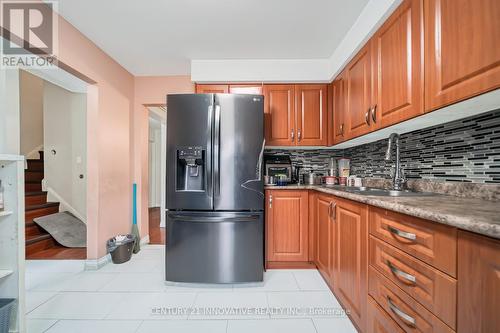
(215, 247)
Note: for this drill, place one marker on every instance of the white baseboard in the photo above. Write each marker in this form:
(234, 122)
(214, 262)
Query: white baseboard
(144, 240)
(95, 264)
(65, 206)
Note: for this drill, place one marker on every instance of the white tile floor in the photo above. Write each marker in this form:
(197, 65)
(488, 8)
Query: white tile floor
(62, 297)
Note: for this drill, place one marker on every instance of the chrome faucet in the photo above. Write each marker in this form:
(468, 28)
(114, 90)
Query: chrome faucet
(398, 179)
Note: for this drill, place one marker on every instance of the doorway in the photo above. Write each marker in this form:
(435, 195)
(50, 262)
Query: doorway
(157, 173)
(53, 140)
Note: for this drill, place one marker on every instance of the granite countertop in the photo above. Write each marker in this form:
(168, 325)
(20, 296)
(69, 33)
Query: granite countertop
(475, 215)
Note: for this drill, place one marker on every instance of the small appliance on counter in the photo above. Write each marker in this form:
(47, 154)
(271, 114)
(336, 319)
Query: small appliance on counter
(278, 165)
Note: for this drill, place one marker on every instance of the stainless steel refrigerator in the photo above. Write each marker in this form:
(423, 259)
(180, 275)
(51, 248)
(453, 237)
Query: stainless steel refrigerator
(215, 193)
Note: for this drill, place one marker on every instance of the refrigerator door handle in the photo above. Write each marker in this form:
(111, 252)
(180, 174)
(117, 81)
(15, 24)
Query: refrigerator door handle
(198, 218)
(217, 151)
(208, 173)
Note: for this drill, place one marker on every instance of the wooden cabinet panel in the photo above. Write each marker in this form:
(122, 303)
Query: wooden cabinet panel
(323, 233)
(433, 243)
(350, 277)
(339, 110)
(311, 114)
(212, 88)
(433, 289)
(246, 89)
(397, 61)
(478, 283)
(359, 88)
(379, 321)
(404, 310)
(279, 115)
(462, 57)
(287, 225)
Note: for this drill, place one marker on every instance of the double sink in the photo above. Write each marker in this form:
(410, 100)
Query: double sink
(379, 192)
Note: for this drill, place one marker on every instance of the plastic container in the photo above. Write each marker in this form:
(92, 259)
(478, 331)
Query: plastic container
(6, 305)
(121, 251)
(344, 167)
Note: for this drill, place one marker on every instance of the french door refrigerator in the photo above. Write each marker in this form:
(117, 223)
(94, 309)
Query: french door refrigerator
(215, 193)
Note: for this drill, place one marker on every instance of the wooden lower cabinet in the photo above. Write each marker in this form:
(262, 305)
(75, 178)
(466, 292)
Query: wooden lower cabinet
(478, 283)
(323, 235)
(287, 226)
(351, 258)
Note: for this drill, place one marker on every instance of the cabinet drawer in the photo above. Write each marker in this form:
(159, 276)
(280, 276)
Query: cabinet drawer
(430, 287)
(408, 313)
(378, 321)
(433, 243)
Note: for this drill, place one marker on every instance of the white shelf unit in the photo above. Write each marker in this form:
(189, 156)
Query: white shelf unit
(12, 242)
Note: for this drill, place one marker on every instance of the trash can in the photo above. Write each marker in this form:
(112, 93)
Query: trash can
(120, 247)
(6, 305)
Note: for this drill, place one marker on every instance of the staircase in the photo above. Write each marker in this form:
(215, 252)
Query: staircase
(36, 205)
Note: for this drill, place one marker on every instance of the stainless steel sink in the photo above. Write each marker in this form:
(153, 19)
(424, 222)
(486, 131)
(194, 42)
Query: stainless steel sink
(386, 193)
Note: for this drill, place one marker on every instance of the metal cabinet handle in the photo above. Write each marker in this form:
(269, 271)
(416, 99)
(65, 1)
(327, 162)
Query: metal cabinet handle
(367, 116)
(299, 134)
(270, 201)
(333, 215)
(292, 134)
(403, 234)
(374, 113)
(400, 273)
(409, 320)
(342, 129)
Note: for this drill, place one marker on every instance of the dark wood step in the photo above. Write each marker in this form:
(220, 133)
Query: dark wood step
(33, 229)
(59, 252)
(35, 198)
(35, 165)
(41, 210)
(32, 186)
(33, 176)
(40, 153)
(39, 243)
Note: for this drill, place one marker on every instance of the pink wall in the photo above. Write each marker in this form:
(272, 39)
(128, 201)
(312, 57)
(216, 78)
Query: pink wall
(117, 138)
(149, 90)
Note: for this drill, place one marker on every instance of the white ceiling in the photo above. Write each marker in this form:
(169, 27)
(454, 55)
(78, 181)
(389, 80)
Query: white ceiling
(161, 37)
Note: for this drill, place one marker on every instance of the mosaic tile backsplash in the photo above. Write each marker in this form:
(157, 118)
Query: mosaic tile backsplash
(466, 150)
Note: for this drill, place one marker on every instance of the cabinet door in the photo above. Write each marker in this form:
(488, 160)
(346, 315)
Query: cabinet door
(250, 89)
(478, 283)
(312, 129)
(212, 88)
(358, 85)
(462, 57)
(350, 278)
(323, 233)
(397, 62)
(279, 115)
(339, 110)
(287, 225)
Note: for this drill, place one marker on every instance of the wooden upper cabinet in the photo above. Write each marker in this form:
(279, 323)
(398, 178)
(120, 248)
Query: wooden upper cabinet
(351, 258)
(212, 88)
(323, 234)
(462, 56)
(311, 114)
(339, 110)
(250, 89)
(358, 90)
(287, 225)
(397, 66)
(478, 302)
(279, 115)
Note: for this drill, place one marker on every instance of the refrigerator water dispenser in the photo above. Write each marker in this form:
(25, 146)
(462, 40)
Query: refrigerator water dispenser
(191, 169)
